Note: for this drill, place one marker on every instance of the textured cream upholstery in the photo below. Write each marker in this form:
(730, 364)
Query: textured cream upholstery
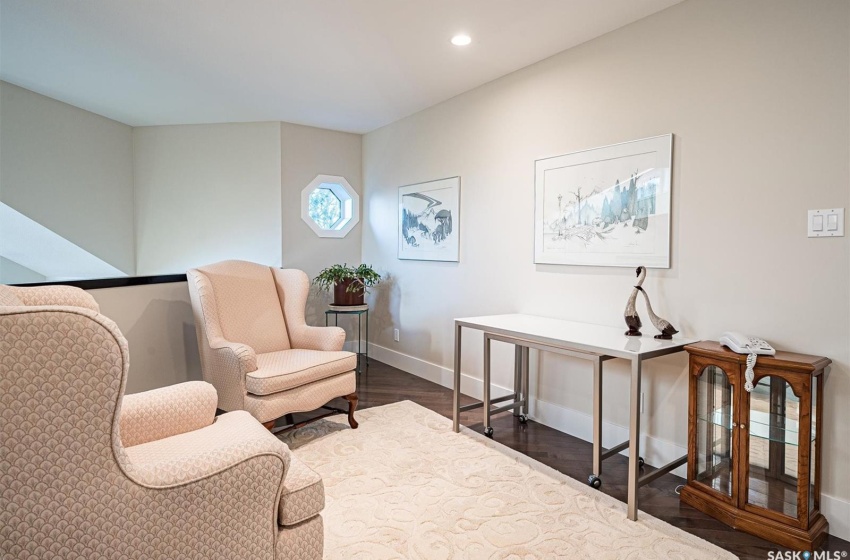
(301, 399)
(288, 369)
(166, 412)
(303, 493)
(47, 295)
(256, 347)
(8, 297)
(247, 310)
(74, 487)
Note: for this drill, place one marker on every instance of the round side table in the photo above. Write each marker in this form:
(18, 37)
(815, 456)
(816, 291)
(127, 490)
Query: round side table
(360, 311)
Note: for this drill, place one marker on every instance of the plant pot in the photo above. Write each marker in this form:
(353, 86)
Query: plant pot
(343, 297)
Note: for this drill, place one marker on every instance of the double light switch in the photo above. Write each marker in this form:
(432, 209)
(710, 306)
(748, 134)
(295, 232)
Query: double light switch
(826, 223)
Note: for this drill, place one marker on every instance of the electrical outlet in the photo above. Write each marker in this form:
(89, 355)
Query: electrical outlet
(396, 336)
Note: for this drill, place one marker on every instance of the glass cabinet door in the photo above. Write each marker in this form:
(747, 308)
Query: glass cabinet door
(814, 505)
(714, 430)
(773, 446)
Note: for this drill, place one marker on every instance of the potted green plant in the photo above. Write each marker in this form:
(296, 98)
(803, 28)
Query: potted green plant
(350, 284)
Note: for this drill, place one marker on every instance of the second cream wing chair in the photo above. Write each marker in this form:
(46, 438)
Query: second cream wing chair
(87, 472)
(256, 347)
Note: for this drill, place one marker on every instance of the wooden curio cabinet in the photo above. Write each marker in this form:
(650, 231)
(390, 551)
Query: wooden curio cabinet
(754, 458)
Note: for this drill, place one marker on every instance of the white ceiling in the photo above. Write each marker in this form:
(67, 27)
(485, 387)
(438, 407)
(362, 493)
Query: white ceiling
(352, 65)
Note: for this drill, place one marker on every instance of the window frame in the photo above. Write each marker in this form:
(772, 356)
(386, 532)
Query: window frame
(349, 204)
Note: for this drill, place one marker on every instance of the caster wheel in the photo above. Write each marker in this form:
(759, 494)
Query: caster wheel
(488, 431)
(523, 418)
(641, 462)
(594, 481)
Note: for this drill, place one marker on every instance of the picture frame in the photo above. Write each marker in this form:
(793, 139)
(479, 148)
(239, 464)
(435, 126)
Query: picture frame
(606, 206)
(429, 221)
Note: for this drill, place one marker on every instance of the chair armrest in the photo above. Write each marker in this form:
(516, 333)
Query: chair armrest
(67, 296)
(225, 364)
(234, 438)
(318, 338)
(165, 412)
(234, 355)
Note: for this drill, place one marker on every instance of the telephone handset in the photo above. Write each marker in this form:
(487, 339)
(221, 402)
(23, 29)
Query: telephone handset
(743, 344)
(751, 345)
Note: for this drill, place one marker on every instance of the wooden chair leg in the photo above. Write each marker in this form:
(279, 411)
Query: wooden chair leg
(352, 404)
(269, 425)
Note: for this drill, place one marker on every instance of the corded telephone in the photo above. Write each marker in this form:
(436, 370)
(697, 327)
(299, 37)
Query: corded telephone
(743, 344)
(751, 345)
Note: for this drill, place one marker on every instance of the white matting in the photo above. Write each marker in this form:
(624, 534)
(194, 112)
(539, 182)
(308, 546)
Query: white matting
(404, 485)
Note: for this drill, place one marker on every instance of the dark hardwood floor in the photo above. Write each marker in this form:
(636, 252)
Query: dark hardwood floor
(381, 384)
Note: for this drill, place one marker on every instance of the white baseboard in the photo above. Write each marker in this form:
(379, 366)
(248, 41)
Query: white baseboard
(432, 372)
(655, 451)
(837, 512)
(351, 346)
(578, 424)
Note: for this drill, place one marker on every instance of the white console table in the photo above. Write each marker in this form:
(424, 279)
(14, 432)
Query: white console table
(595, 343)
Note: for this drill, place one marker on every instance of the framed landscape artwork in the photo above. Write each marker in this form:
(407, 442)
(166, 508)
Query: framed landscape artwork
(607, 206)
(428, 218)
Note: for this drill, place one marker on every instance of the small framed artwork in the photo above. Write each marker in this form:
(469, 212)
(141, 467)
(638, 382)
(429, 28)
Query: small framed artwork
(428, 220)
(607, 206)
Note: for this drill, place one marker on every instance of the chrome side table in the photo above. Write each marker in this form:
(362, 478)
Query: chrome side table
(360, 311)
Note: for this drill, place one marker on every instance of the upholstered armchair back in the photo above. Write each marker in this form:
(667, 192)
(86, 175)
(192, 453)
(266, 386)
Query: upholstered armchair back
(243, 304)
(65, 296)
(61, 381)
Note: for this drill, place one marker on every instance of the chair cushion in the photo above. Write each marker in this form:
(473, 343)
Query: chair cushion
(301, 399)
(303, 494)
(287, 369)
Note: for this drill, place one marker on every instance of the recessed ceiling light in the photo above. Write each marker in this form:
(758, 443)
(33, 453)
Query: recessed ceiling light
(461, 40)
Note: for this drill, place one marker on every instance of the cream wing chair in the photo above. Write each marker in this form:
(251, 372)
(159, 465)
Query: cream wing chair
(256, 347)
(86, 472)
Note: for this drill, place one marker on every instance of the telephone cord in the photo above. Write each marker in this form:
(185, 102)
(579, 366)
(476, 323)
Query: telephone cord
(749, 375)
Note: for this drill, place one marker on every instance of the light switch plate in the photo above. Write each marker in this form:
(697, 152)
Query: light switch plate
(826, 223)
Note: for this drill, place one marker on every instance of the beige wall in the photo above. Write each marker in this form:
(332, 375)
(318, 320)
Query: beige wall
(206, 193)
(69, 170)
(756, 94)
(228, 168)
(157, 322)
(305, 153)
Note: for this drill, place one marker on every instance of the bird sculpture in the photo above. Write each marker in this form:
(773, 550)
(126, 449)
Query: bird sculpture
(631, 314)
(663, 325)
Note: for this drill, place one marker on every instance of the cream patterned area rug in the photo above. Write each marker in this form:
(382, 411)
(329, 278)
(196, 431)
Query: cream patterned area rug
(404, 485)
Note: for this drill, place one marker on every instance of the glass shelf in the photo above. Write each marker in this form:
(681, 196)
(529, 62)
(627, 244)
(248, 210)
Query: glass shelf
(719, 417)
(778, 439)
(760, 427)
(773, 446)
(761, 430)
(714, 436)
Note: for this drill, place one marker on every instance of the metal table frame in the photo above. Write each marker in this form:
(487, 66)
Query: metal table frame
(359, 312)
(519, 398)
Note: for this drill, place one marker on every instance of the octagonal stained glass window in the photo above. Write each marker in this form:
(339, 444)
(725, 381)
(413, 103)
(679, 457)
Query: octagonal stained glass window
(330, 206)
(325, 208)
